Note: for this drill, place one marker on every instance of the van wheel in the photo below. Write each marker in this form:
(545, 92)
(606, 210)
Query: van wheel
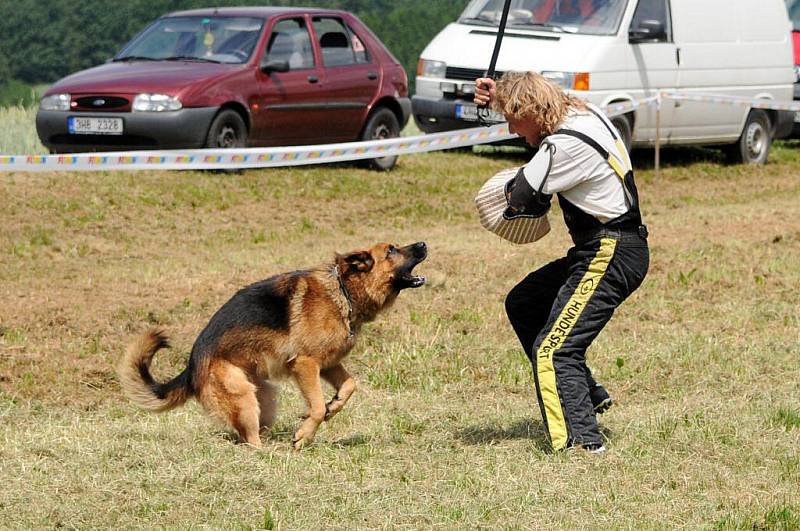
(227, 130)
(623, 125)
(382, 123)
(753, 146)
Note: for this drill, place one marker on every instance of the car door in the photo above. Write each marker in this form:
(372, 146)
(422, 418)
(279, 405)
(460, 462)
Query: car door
(292, 105)
(352, 76)
(655, 66)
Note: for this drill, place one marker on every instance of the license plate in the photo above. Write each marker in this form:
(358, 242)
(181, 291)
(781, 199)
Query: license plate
(467, 112)
(470, 114)
(94, 126)
(797, 117)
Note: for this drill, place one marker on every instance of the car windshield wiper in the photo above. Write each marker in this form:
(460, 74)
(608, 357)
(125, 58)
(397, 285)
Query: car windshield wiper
(134, 58)
(189, 58)
(478, 20)
(549, 25)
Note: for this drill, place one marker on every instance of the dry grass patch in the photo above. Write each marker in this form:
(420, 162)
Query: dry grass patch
(444, 430)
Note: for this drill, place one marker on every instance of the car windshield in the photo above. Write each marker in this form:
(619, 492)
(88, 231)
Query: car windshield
(594, 17)
(793, 6)
(211, 39)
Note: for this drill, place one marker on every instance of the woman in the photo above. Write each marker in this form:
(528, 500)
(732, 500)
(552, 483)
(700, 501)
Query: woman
(559, 309)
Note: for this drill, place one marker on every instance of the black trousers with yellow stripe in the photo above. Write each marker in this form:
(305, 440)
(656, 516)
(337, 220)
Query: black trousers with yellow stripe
(558, 310)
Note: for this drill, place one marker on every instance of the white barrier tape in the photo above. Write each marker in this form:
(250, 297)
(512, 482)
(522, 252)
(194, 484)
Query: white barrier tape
(753, 103)
(214, 159)
(206, 159)
(624, 107)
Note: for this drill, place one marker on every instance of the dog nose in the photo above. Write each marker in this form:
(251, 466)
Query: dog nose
(421, 248)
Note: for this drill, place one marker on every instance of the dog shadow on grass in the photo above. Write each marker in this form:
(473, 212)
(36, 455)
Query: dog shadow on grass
(532, 430)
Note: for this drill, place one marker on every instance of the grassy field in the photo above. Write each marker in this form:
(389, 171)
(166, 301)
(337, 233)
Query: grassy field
(444, 431)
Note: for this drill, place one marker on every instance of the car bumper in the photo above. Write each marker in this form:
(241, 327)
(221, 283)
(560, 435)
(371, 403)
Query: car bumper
(437, 115)
(796, 116)
(405, 108)
(183, 129)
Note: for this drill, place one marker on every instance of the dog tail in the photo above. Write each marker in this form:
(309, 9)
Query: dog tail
(137, 382)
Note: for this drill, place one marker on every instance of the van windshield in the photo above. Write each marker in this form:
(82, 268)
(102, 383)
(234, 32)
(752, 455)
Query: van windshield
(594, 17)
(207, 39)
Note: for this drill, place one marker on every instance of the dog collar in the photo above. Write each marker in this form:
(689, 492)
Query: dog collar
(347, 297)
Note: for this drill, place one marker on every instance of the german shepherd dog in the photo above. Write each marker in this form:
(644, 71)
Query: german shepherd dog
(297, 325)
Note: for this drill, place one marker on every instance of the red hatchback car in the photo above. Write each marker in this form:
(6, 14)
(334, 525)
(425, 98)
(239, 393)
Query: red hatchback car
(233, 77)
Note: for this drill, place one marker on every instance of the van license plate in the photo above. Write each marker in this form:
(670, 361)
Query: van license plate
(94, 126)
(467, 112)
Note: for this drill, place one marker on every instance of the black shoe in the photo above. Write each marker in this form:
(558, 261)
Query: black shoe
(601, 400)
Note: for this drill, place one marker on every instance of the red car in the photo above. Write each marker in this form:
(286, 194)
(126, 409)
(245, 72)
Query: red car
(233, 77)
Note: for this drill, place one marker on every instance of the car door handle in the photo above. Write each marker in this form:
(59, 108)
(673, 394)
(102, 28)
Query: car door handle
(372, 75)
(313, 79)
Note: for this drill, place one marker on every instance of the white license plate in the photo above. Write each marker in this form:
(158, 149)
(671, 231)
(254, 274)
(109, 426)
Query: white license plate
(467, 112)
(470, 114)
(94, 126)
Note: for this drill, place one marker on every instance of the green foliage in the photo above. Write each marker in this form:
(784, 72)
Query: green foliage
(44, 41)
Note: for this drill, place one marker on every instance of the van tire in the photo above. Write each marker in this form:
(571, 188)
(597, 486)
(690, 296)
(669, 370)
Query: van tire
(623, 125)
(382, 123)
(227, 130)
(754, 143)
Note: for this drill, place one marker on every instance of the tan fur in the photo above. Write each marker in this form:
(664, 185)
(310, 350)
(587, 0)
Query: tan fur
(233, 383)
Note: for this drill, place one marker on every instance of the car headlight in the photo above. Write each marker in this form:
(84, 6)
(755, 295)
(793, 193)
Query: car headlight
(55, 102)
(156, 103)
(426, 68)
(569, 80)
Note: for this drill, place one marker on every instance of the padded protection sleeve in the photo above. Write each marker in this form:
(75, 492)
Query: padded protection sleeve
(523, 200)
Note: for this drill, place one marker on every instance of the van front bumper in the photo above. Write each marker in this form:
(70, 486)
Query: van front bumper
(436, 115)
(183, 129)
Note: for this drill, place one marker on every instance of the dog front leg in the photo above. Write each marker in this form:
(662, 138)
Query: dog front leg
(306, 373)
(344, 384)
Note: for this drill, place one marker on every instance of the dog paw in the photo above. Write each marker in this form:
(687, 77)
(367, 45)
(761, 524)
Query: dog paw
(332, 408)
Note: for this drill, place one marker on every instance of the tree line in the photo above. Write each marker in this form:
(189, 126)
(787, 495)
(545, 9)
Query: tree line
(41, 42)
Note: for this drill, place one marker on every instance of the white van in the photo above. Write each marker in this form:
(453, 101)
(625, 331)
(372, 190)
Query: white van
(626, 50)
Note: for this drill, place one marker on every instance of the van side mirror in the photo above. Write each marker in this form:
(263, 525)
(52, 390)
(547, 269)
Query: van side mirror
(275, 66)
(647, 31)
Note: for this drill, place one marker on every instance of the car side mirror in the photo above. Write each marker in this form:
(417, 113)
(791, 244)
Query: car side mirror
(275, 66)
(647, 30)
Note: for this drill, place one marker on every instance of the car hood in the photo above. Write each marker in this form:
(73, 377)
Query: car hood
(163, 77)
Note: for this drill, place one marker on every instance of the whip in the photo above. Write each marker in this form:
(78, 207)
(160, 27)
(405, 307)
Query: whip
(483, 110)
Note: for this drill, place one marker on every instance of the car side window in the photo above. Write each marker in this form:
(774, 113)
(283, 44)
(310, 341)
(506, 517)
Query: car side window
(649, 11)
(336, 43)
(359, 50)
(291, 42)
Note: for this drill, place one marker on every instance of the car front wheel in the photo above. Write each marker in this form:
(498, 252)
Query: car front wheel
(382, 124)
(227, 130)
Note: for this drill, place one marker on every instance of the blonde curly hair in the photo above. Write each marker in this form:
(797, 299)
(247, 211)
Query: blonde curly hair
(529, 96)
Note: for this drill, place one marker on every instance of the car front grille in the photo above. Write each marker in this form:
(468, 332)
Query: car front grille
(102, 103)
(466, 74)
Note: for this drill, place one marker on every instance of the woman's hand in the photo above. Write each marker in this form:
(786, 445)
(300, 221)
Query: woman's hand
(484, 91)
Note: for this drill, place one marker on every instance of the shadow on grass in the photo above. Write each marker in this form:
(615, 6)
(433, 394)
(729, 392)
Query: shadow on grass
(532, 430)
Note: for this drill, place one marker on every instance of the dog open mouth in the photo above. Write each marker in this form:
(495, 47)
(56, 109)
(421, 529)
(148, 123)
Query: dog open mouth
(414, 253)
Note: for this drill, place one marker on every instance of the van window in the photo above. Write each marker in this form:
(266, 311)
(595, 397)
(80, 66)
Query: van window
(290, 42)
(336, 43)
(595, 17)
(793, 6)
(654, 10)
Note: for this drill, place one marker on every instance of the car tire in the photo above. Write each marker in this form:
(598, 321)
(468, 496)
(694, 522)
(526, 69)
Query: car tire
(382, 123)
(754, 143)
(227, 130)
(623, 126)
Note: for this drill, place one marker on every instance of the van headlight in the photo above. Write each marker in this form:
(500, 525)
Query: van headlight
(55, 102)
(156, 103)
(426, 68)
(569, 80)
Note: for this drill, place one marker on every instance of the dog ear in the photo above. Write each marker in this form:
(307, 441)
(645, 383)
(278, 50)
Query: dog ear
(360, 261)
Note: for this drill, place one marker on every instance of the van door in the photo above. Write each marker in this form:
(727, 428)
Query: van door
(655, 66)
(713, 60)
(292, 107)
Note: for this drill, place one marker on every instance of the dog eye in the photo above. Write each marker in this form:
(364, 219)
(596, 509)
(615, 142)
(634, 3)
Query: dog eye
(392, 250)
